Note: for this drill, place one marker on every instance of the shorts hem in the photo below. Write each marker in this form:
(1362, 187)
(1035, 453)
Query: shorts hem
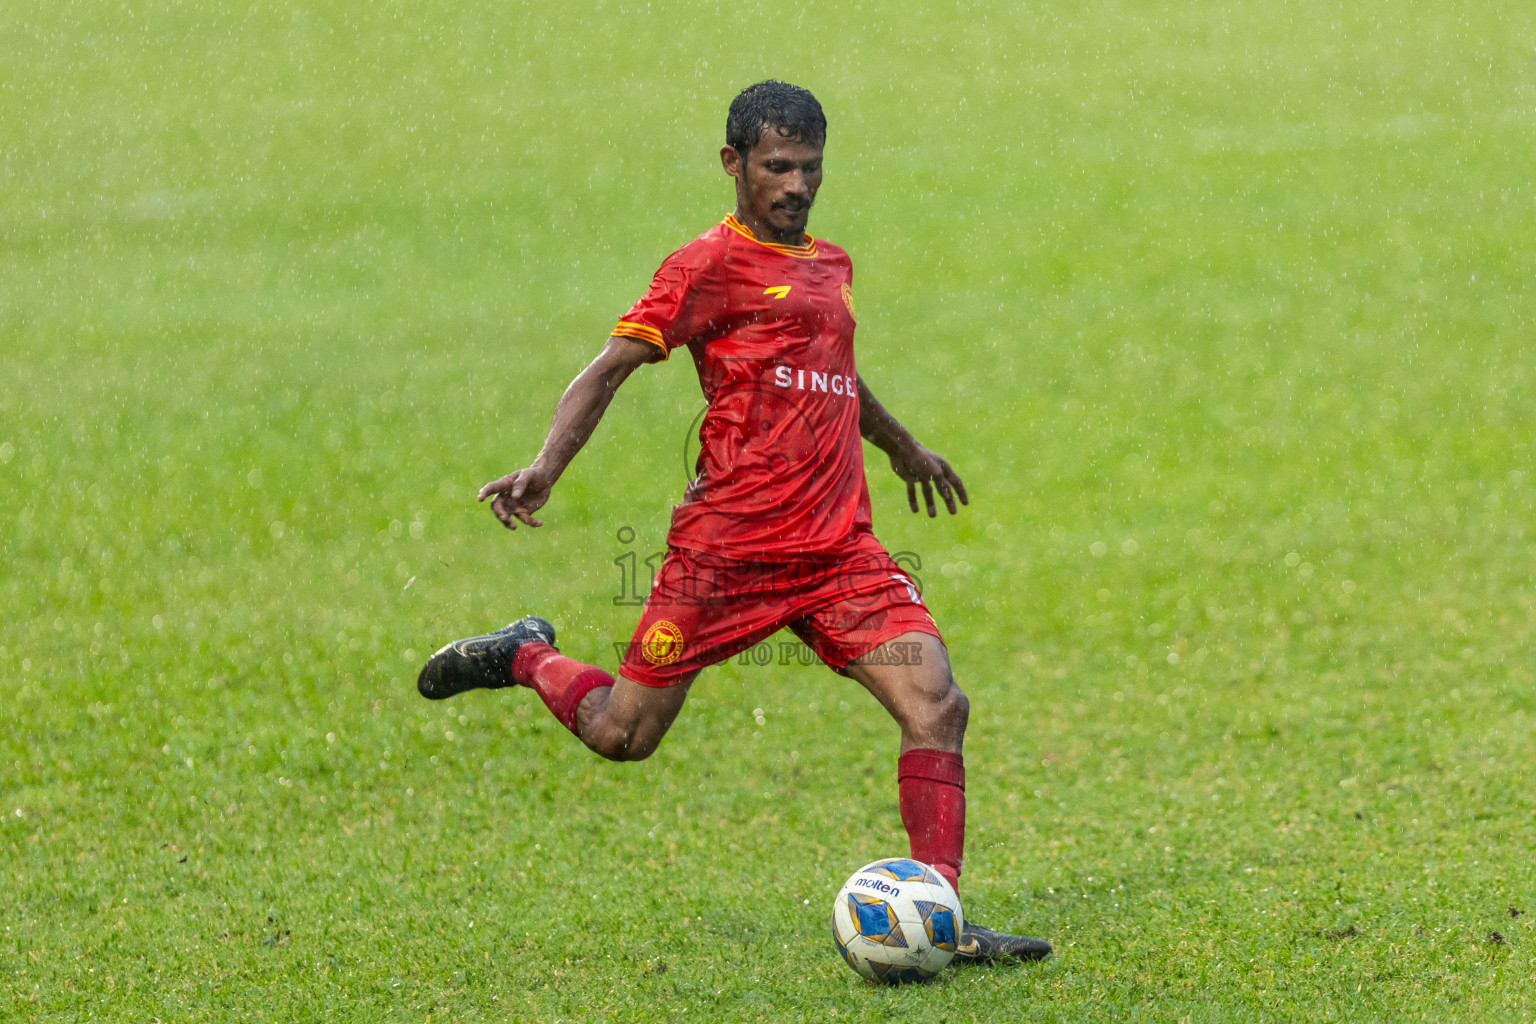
(883, 636)
(653, 684)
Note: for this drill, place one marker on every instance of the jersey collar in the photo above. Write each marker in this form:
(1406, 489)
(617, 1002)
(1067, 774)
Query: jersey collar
(799, 252)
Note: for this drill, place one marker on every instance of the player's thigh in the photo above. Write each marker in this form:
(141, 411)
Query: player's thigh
(911, 678)
(636, 717)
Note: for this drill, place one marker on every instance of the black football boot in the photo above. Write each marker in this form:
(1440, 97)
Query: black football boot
(480, 662)
(980, 945)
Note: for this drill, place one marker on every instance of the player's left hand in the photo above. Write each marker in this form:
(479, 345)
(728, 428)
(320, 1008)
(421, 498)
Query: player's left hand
(917, 465)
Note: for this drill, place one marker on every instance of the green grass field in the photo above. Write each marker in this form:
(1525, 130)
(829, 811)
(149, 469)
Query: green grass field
(1223, 311)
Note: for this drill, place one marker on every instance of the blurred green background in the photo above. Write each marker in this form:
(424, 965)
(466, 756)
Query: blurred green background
(1222, 311)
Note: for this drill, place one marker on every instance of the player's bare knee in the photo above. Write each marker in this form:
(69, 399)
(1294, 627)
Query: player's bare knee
(624, 743)
(937, 717)
(956, 707)
(607, 742)
(947, 715)
(605, 748)
(641, 748)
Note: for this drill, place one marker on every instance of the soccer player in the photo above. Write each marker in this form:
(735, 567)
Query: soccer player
(774, 530)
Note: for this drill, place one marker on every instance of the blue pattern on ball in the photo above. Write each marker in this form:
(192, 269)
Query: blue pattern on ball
(873, 919)
(901, 869)
(899, 975)
(942, 924)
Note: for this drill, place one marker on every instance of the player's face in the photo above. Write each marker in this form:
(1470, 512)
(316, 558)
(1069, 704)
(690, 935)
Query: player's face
(776, 185)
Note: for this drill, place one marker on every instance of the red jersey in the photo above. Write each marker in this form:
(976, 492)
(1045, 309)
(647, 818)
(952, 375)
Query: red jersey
(780, 472)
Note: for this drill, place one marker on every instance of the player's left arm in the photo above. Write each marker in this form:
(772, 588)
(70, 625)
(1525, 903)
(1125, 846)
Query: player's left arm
(910, 460)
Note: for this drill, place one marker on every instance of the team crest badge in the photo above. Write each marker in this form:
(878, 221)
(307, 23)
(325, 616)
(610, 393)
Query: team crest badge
(848, 300)
(662, 643)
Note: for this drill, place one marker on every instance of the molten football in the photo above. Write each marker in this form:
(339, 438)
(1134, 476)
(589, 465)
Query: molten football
(897, 920)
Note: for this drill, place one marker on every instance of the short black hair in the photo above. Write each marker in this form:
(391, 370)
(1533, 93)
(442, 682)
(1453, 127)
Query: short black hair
(787, 109)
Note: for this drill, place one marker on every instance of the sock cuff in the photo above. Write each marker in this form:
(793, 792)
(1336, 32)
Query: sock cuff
(933, 765)
(523, 660)
(584, 683)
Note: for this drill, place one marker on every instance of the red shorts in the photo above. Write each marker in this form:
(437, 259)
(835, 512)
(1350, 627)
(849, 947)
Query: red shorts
(704, 609)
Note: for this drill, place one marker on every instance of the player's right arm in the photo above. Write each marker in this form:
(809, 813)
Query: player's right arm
(517, 496)
(671, 311)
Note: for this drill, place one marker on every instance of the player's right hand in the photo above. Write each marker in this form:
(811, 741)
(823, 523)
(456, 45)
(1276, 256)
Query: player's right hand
(517, 496)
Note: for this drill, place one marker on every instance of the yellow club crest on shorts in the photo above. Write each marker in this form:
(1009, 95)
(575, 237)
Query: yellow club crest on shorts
(848, 299)
(662, 643)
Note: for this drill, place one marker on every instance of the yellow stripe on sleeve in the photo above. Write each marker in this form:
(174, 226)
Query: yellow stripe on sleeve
(642, 332)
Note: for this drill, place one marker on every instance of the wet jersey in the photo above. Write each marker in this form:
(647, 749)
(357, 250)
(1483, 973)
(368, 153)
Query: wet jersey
(780, 467)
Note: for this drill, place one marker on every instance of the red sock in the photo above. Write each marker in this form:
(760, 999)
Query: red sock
(932, 787)
(559, 681)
